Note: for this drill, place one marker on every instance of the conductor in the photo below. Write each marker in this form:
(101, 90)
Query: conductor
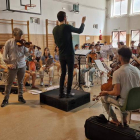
(63, 39)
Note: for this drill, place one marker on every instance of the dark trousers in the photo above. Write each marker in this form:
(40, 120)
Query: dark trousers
(69, 62)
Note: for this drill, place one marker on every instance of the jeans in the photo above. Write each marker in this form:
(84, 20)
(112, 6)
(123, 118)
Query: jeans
(91, 73)
(69, 62)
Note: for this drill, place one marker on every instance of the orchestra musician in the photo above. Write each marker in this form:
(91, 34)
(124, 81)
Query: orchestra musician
(76, 47)
(45, 68)
(124, 79)
(137, 58)
(14, 57)
(90, 68)
(56, 59)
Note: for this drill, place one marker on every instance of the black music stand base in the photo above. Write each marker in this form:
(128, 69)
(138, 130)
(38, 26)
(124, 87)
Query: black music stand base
(78, 85)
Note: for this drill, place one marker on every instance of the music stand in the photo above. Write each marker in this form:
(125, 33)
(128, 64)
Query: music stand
(79, 54)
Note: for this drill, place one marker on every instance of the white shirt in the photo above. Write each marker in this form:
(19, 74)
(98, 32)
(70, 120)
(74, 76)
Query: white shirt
(15, 55)
(128, 77)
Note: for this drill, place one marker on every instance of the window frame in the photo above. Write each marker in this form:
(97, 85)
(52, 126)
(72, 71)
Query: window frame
(119, 32)
(132, 9)
(139, 34)
(121, 15)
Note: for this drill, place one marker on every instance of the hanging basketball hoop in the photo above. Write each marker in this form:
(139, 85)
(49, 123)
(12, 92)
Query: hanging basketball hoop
(29, 5)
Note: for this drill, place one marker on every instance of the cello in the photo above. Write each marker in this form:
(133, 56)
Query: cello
(108, 86)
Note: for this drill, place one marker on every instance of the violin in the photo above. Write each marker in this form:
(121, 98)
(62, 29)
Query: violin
(135, 63)
(93, 56)
(23, 42)
(108, 86)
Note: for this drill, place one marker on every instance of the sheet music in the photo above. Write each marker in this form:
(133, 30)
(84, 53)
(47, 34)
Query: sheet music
(82, 52)
(100, 66)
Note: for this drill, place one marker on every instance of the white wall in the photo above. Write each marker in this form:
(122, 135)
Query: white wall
(50, 9)
(125, 23)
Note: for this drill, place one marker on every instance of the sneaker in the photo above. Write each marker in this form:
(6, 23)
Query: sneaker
(21, 99)
(4, 103)
(41, 84)
(91, 84)
(27, 84)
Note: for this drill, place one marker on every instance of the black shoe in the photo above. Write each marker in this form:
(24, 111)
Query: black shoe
(70, 95)
(62, 95)
(27, 84)
(21, 99)
(4, 103)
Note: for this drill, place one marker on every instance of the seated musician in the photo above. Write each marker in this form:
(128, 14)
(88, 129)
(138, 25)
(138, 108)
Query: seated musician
(74, 74)
(43, 68)
(120, 44)
(93, 43)
(137, 58)
(133, 47)
(38, 53)
(56, 59)
(31, 68)
(124, 79)
(3, 66)
(76, 47)
(90, 68)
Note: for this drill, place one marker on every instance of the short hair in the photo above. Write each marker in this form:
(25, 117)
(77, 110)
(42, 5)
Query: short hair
(17, 32)
(132, 41)
(105, 42)
(77, 45)
(121, 43)
(125, 53)
(91, 46)
(97, 45)
(1, 46)
(61, 15)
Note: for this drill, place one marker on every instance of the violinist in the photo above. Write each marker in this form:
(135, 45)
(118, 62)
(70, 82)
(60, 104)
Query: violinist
(38, 53)
(14, 57)
(133, 47)
(137, 58)
(56, 59)
(124, 79)
(76, 47)
(90, 68)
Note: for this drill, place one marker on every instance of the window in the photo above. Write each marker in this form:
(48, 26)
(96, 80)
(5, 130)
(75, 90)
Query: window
(120, 7)
(135, 35)
(135, 6)
(118, 36)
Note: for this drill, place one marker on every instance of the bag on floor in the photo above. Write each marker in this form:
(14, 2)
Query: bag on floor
(98, 128)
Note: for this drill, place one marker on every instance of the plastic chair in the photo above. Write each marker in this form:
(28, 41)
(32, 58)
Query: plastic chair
(132, 103)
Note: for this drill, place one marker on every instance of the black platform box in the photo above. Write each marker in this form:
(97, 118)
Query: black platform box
(52, 98)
